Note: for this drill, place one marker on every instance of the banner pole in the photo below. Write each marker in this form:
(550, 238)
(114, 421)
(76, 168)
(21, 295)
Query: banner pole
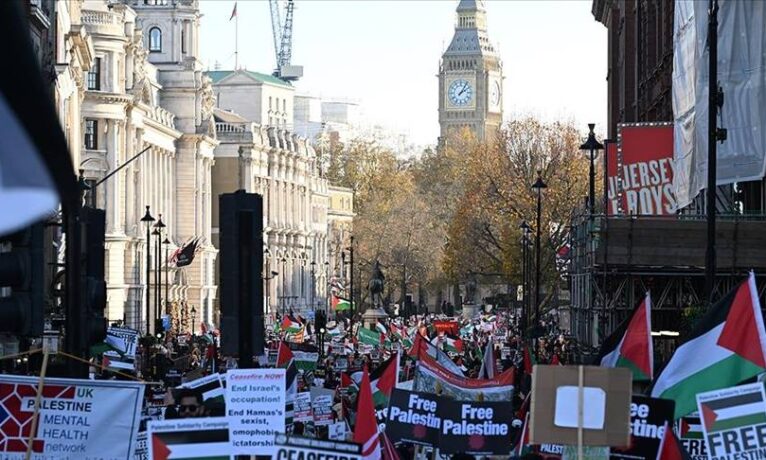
(580, 411)
(36, 412)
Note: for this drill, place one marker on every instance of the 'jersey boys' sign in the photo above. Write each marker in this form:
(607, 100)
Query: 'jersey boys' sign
(640, 167)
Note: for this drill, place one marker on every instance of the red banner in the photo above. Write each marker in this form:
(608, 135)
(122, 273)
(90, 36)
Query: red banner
(640, 170)
(446, 327)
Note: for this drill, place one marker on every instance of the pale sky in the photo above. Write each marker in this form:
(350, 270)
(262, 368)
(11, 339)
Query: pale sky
(386, 55)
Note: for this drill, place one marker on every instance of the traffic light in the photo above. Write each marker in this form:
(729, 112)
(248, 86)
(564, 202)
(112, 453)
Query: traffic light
(320, 320)
(240, 263)
(22, 269)
(94, 294)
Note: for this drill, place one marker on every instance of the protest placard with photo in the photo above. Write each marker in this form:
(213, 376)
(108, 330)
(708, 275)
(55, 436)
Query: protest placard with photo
(302, 407)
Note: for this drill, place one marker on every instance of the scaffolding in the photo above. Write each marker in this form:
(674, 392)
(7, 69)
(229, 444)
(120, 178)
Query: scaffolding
(615, 260)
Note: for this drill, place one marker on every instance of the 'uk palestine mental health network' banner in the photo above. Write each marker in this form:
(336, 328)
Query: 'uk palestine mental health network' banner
(77, 418)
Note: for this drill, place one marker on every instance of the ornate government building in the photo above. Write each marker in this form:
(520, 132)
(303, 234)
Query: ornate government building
(130, 90)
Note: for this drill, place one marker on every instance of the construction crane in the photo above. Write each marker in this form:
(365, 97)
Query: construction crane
(283, 41)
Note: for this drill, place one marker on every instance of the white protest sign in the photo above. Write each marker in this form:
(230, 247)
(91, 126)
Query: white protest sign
(337, 431)
(189, 438)
(77, 419)
(734, 420)
(255, 409)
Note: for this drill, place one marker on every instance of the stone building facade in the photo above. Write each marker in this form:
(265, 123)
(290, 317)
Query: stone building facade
(145, 94)
(282, 167)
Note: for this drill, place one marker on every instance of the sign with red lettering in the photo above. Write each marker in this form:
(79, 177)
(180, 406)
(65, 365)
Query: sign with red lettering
(640, 170)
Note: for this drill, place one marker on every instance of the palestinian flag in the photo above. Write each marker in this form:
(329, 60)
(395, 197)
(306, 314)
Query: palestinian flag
(727, 346)
(210, 386)
(112, 361)
(207, 438)
(423, 347)
(383, 380)
(366, 429)
(738, 410)
(631, 344)
(691, 427)
(452, 344)
(340, 304)
(380, 327)
(286, 360)
(369, 337)
(290, 325)
(670, 448)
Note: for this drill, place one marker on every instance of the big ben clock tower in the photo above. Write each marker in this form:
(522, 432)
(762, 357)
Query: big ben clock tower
(470, 76)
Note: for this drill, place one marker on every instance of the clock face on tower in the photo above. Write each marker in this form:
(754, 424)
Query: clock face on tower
(494, 94)
(460, 92)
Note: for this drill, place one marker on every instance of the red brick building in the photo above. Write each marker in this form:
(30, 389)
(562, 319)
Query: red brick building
(640, 55)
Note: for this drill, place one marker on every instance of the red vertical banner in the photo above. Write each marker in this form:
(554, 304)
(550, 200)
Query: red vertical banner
(640, 170)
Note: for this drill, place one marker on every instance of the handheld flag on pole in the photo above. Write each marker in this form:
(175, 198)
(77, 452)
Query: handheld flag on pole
(631, 344)
(727, 346)
(366, 429)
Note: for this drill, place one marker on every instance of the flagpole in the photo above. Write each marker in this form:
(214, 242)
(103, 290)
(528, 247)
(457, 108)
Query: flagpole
(236, 38)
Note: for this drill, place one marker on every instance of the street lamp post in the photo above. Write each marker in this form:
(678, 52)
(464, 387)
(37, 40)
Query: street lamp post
(313, 283)
(283, 297)
(303, 266)
(166, 242)
(591, 145)
(159, 227)
(524, 273)
(327, 284)
(147, 220)
(194, 320)
(539, 185)
(351, 283)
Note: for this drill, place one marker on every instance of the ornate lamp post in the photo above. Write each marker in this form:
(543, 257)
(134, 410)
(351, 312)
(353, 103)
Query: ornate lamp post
(159, 227)
(166, 242)
(284, 285)
(525, 229)
(539, 185)
(147, 220)
(591, 145)
(194, 320)
(313, 283)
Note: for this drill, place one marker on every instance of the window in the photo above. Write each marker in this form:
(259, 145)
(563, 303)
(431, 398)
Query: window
(94, 75)
(91, 199)
(183, 37)
(91, 130)
(270, 103)
(155, 39)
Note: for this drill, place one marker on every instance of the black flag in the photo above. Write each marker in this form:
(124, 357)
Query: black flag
(186, 254)
(36, 171)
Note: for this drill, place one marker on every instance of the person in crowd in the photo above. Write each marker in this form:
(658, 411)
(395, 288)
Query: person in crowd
(190, 404)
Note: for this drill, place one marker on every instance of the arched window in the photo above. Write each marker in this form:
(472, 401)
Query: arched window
(155, 39)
